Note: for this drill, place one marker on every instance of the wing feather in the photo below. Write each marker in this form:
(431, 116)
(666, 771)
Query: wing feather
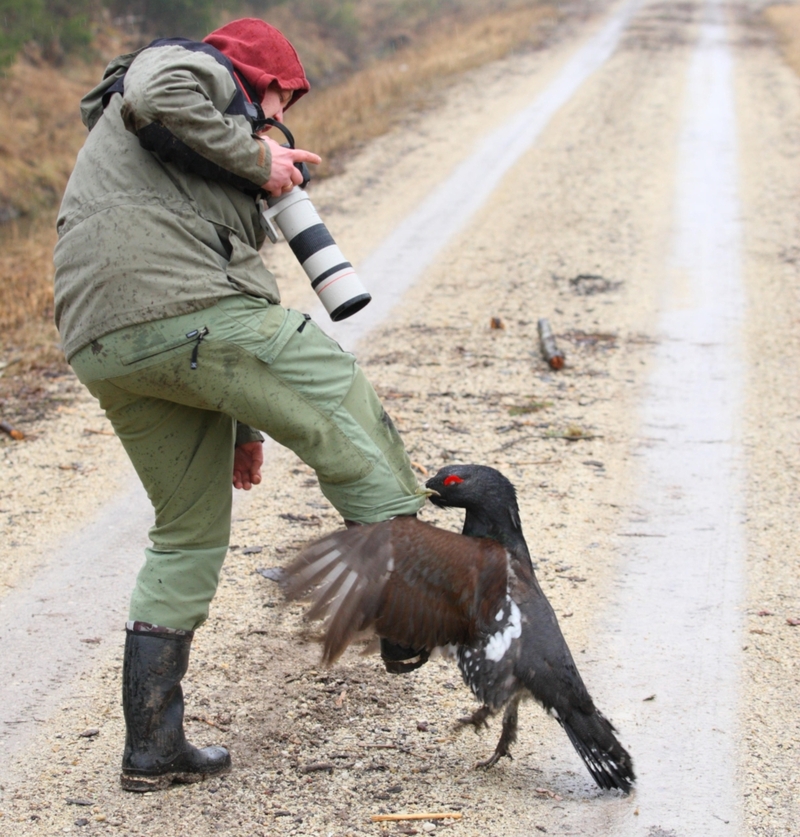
(406, 580)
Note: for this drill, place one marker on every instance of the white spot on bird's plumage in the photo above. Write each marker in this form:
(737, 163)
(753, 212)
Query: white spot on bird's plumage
(331, 577)
(341, 594)
(320, 564)
(501, 641)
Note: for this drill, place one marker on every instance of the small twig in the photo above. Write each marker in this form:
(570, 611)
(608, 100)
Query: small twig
(550, 351)
(584, 437)
(425, 816)
(638, 535)
(90, 431)
(513, 442)
(12, 432)
(207, 721)
(317, 767)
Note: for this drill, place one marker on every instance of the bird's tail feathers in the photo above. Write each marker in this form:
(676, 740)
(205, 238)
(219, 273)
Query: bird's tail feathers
(605, 758)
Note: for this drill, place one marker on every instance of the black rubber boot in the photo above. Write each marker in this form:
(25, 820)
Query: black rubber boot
(400, 659)
(156, 750)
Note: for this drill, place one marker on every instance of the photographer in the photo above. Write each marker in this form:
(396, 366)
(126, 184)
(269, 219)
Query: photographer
(170, 318)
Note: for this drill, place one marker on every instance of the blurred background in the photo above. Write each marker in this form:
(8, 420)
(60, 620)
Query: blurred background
(372, 65)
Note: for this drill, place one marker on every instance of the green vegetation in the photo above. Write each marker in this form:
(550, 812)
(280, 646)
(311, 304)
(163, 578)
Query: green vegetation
(56, 26)
(532, 406)
(189, 18)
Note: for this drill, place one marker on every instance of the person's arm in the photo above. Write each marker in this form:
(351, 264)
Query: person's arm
(175, 101)
(248, 457)
(247, 461)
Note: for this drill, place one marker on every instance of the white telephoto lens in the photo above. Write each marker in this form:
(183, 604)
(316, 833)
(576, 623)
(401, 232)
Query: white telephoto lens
(332, 277)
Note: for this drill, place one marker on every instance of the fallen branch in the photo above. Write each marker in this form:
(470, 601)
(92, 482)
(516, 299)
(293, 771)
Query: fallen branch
(425, 816)
(550, 351)
(12, 432)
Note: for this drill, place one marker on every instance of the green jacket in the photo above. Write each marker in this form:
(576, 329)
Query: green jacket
(144, 234)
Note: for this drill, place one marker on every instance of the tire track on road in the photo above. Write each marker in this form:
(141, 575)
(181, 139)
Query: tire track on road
(674, 629)
(90, 578)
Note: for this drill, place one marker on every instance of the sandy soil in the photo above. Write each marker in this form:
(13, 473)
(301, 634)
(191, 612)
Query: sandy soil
(578, 233)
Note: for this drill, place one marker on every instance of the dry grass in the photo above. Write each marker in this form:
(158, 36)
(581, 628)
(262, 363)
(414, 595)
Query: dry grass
(40, 132)
(785, 20)
(40, 135)
(372, 100)
(29, 339)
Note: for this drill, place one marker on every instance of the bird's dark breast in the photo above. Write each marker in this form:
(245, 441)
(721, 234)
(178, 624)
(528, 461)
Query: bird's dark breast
(488, 665)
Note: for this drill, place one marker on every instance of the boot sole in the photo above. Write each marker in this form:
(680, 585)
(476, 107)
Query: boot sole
(147, 784)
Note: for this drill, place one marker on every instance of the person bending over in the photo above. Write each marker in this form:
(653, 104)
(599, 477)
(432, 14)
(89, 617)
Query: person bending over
(168, 315)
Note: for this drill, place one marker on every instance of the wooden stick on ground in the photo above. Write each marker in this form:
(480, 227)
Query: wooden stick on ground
(12, 432)
(425, 816)
(550, 351)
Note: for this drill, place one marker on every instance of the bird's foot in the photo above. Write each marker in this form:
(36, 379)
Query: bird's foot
(478, 718)
(495, 757)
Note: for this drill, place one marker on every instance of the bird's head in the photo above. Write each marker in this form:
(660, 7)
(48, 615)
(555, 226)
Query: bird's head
(489, 499)
(471, 487)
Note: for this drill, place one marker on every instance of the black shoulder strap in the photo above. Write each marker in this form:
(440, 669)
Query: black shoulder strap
(160, 141)
(242, 103)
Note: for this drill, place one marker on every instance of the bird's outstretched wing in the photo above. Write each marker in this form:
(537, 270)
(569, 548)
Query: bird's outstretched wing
(410, 582)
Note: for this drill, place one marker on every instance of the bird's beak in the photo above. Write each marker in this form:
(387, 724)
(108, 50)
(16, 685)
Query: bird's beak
(429, 492)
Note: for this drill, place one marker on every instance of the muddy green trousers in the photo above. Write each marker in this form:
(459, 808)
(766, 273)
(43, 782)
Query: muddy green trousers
(174, 391)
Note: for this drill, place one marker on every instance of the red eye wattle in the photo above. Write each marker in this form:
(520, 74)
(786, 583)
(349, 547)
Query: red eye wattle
(452, 480)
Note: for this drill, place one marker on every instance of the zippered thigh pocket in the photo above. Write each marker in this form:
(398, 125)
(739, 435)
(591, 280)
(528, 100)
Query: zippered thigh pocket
(156, 344)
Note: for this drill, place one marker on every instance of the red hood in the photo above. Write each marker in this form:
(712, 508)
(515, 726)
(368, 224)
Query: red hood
(261, 54)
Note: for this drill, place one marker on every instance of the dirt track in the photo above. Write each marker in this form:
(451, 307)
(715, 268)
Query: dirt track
(579, 232)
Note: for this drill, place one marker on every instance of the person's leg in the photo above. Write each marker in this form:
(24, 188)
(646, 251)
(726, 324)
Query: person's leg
(272, 369)
(170, 389)
(184, 458)
(156, 752)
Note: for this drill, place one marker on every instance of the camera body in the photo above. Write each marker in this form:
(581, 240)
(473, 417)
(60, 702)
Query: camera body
(332, 277)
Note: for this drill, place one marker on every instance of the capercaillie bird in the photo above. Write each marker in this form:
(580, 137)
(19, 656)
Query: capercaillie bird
(424, 587)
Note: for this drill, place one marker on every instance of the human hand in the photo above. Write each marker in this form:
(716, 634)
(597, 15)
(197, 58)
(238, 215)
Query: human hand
(283, 174)
(247, 461)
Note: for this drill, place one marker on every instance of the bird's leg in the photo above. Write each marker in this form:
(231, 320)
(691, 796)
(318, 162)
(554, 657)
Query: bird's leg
(478, 717)
(508, 736)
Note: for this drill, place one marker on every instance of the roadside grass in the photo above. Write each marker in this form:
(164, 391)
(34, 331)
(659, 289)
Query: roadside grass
(373, 100)
(40, 135)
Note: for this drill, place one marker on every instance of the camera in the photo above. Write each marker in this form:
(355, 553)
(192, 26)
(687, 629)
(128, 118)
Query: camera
(332, 277)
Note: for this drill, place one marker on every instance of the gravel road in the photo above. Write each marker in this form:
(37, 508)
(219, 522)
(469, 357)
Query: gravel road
(657, 472)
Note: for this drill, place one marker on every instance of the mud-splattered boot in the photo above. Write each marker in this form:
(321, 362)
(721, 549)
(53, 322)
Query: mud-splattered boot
(156, 750)
(400, 659)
